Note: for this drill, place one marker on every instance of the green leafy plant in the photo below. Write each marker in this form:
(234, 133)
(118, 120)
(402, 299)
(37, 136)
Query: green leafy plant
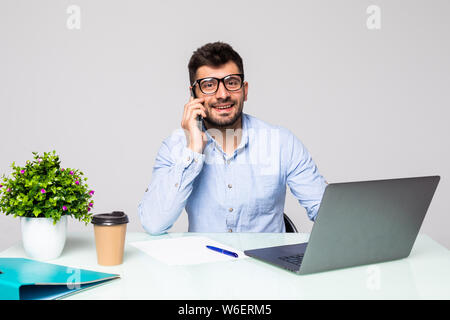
(42, 188)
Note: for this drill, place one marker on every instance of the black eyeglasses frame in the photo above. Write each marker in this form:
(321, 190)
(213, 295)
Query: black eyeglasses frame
(197, 82)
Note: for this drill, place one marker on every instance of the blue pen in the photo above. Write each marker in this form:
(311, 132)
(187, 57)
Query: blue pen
(228, 253)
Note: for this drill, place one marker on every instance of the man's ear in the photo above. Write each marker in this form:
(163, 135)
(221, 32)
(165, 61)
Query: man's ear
(245, 90)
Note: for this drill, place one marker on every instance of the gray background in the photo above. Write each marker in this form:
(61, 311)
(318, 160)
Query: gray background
(368, 104)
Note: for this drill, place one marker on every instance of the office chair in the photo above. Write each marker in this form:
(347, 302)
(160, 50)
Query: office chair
(290, 226)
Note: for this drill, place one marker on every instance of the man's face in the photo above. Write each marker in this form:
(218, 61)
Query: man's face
(222, 118)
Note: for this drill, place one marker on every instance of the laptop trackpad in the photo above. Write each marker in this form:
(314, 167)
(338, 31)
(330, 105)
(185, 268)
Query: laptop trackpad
(288, 256)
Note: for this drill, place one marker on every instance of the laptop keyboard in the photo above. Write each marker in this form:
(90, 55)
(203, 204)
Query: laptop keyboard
(294, 259)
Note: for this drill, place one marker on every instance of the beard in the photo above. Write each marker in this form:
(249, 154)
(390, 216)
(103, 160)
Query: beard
(225, 122)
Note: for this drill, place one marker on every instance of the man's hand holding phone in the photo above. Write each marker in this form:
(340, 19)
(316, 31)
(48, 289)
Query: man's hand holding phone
(196, 139)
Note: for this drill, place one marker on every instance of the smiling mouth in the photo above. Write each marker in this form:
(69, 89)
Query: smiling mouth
(224, 108)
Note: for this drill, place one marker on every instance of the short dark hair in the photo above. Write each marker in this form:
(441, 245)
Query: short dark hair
(213, 54)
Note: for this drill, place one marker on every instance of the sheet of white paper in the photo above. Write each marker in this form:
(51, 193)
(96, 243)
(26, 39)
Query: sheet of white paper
(186, 250)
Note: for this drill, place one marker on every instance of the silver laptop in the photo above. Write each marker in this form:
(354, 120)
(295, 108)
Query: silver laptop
(358, 223)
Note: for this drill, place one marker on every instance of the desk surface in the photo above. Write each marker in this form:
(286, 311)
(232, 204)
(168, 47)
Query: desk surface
(425, 274)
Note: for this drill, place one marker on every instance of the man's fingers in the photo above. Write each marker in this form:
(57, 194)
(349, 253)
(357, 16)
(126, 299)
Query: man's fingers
(192, 109)
(193, 103)
(198, 112)
(195, 100)
(194, 106)
(192, 112)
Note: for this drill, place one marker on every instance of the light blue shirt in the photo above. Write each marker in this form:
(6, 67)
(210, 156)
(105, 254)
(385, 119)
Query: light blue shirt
(244, 192)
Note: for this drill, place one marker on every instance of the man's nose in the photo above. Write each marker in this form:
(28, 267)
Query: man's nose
(222, 92)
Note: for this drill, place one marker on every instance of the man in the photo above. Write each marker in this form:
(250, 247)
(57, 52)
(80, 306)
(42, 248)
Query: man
(230, 171)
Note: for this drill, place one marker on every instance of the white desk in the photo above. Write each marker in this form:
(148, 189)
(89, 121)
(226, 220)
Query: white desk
(425, 274)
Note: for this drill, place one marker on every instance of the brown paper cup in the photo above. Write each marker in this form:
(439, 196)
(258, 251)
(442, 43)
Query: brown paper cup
(110, 231)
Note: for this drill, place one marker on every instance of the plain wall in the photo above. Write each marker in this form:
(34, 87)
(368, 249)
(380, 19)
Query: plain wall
(368, 104)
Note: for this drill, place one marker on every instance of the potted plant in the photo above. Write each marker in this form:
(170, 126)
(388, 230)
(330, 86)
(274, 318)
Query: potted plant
(43, 194)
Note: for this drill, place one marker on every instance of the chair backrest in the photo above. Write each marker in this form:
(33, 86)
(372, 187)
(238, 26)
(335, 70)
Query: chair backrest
(290, 226)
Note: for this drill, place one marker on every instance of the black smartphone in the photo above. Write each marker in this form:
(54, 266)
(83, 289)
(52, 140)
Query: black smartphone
(199, 118)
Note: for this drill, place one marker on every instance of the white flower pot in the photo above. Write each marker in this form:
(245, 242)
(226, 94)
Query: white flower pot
(43, 240)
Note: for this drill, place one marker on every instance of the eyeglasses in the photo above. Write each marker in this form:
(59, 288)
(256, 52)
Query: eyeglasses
(232, 82)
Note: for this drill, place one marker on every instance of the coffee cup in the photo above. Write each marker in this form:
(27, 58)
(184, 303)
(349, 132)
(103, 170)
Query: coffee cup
(110, 230)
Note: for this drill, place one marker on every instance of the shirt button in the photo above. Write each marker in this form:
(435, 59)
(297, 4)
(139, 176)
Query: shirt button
(231, 209)
(176, 185)
(230, 186)
(228, 161)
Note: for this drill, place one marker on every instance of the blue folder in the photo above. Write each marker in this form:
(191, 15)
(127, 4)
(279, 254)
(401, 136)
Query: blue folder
(25, 279)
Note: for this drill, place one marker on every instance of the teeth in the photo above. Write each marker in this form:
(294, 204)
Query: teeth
(224, 107)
